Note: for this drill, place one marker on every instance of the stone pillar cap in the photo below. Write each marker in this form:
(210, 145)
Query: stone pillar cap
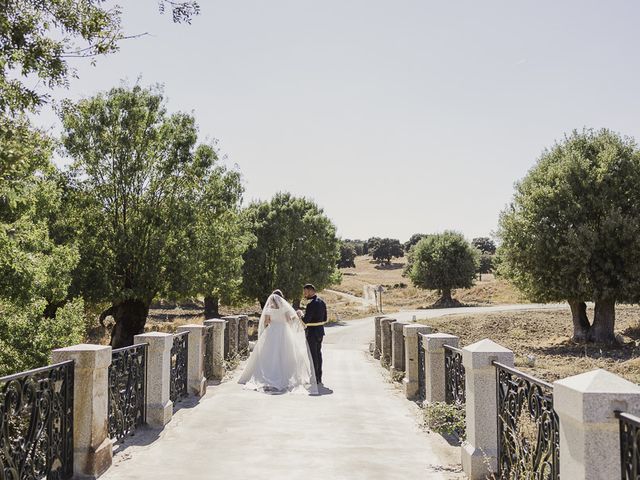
(154, 334)
(388, 319)
(435, 342)
(214, 321)
(412, 329)
(481, 354)
(85, 355)
(594, 396)
(190, 327)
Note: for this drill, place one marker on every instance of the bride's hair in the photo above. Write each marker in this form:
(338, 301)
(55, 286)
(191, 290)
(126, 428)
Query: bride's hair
(278, 292)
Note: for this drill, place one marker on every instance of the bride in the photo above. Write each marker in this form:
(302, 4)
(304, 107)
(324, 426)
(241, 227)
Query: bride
(281, 360)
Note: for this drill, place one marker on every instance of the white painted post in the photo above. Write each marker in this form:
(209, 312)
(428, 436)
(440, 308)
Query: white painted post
(92, 449)
(589, 430)
(159, 405)
(411, 338)
(480, 450)
(434, 385)
(218, 347)
(196, 380)
(385, 337)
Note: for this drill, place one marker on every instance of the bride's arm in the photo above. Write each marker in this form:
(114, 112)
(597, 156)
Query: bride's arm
(267, 320)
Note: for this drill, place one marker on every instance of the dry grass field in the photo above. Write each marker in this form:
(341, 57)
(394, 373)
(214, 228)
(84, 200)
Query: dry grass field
(541, 341)
(399, 294)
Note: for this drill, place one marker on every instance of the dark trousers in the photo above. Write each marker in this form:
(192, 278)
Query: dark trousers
(315, 346)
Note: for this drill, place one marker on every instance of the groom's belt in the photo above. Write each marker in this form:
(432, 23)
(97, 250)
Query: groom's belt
(316, 324)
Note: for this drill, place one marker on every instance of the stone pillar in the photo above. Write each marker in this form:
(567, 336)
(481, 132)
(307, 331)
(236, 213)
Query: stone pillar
(243, 335)
(385, 338)
(232, 328)
(377, 350)
(196, 381)
(92, 449)
(480, 450)
(397, 347)
(159, 405)
(411, 338)
(589, 430)
(218, 347)
(434, 385)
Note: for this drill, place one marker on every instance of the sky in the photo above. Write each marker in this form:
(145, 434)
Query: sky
(396, 117)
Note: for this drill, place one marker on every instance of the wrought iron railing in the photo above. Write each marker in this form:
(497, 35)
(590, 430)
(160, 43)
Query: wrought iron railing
(528, 433)
(208, 352)
(422, 393)
(36, 423)
(454, 376)
(127, 390)
(179, 364)
(629, 446)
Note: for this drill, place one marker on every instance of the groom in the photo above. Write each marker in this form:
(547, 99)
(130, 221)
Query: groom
(315, 317)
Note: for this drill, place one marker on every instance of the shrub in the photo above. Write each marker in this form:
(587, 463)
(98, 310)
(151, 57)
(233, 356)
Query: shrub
(446, 419)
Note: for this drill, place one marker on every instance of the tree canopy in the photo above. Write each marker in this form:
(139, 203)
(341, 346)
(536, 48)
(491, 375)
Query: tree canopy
(572, 231)
(38, 37)
(484, 245)
(443, 262)
(384, 249)
(347, 255)
(35, 270)
(295, 243)
(138, 185)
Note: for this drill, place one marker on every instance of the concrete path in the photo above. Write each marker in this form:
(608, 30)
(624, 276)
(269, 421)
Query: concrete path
(360, 428)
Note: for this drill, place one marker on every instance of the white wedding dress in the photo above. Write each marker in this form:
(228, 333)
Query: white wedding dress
(280, 361)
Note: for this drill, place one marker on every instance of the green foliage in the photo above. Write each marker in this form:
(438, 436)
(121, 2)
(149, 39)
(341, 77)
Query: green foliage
(384, 249)
(443, 262)
(35, 271)
(446, 419)
(27, 337)
(484, 244)
(358, 245)
(155, 213)
(38, 37)
(415, 238)
(573, 227)
(347, 255)
(295, 244)
(486, 263)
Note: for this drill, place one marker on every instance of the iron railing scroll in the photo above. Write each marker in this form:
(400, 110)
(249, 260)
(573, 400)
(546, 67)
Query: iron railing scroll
(454, 376)
(629, 446)
(422, 393)
(127, 390)
(179, 356)
(208, 352)
(36, 423)
(528, 433)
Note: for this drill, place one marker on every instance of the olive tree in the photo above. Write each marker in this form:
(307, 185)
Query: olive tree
(137, 181)
(572, 231)
(443, 262)
(295, 243)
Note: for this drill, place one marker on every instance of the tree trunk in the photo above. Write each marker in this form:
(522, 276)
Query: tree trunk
(130, 317)
(445, 298)
(604, 320)
(581, 325)
(211, 307)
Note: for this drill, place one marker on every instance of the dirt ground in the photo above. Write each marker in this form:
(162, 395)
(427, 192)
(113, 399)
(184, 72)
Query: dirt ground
(541, 341)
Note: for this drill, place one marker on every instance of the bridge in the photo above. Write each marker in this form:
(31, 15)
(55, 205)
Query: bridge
(359, 427)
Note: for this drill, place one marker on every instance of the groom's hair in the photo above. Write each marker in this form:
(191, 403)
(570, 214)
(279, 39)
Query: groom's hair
(310, 286)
